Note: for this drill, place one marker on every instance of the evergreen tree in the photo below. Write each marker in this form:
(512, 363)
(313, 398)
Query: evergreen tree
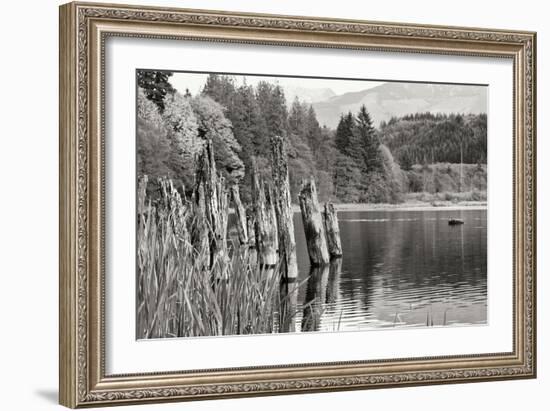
(347, 179)
(297, 118)
(220, 88)
(272, 103)
(155, 85)
(325, 156)
(436, 138)
(246, 119)
(344, 133)
(313, 131)
(367, 143)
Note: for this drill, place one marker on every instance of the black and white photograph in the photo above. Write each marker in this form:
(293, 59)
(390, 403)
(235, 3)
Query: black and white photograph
(274, 204)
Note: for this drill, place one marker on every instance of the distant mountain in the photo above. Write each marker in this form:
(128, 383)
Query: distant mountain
(308, 95)
(397, 99)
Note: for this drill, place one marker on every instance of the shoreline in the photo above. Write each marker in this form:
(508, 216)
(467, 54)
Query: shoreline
(408, 206)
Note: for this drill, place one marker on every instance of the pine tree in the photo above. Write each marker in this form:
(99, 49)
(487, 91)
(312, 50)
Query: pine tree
(367, 143)
(313, 131)
(297, 119)
(246, 119)
(272, 103)
(155, 85)
(344, 133)
(220, 88)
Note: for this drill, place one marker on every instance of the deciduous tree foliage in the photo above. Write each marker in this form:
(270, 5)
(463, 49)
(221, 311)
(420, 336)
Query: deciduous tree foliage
(213, 125)
(168, 143)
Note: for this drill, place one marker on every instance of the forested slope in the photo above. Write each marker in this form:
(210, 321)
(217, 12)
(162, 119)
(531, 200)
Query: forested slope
(354, 163)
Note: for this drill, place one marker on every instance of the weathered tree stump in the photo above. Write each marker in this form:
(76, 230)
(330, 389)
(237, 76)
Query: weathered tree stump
(314, 227)
(283, 209)
(250, 228)
(211, 198)
(200, 233)
(240, 213)
(332, 230)
(265, 229)
(270, 203)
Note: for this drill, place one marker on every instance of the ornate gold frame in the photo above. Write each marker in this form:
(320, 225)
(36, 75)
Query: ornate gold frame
(83, 30)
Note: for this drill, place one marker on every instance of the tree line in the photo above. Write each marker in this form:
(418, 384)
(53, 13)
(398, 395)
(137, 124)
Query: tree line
(354, 163)
(427, 138)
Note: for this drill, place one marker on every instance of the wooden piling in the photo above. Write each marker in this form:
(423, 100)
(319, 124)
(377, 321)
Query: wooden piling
(240, 213)
(270, 204)
(313, 224)
(265, 230)
(200, 233)
(212, 200)
(332, 231)
(250, 224)
(283, 209)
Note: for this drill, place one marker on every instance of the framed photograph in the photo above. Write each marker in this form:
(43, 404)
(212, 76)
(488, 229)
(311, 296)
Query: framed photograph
(260, 204)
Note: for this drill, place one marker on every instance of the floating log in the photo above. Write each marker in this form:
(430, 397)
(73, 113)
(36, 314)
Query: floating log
(283, 209)
(211, 194)
(456, 221)
(265, 227)
(240, 213)
(313, 224)
(332, 230)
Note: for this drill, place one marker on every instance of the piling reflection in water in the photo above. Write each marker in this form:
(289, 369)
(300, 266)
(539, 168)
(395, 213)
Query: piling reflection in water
(315, 298)
(288, 306)
(399, 269)
(335, 270)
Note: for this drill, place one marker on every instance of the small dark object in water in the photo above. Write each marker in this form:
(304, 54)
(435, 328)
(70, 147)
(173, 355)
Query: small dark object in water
(455, 221)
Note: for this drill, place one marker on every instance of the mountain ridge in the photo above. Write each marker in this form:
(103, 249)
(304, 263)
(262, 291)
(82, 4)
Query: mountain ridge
(397, 99)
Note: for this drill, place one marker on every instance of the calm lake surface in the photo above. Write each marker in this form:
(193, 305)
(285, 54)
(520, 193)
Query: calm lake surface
(399, 269)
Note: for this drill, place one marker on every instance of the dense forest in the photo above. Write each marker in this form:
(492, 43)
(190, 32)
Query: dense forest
(354, 163)
(424, 138)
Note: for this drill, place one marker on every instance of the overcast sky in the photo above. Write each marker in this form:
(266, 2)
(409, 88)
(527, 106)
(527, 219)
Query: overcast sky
(194, 82)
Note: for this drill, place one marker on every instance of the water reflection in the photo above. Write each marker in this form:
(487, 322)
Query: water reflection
(402, 268)
(315, 298)
(288, 305)
(335, 270)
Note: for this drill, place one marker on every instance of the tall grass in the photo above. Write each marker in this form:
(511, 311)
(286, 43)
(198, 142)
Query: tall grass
(181, 290)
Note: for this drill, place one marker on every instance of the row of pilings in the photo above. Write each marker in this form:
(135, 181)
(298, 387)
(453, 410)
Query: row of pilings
(267, 225)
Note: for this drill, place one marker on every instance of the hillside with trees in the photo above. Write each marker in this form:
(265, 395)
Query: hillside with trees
(427, 138)
(353, 163)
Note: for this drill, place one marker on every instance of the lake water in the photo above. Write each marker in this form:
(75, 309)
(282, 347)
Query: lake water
(399, 269)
